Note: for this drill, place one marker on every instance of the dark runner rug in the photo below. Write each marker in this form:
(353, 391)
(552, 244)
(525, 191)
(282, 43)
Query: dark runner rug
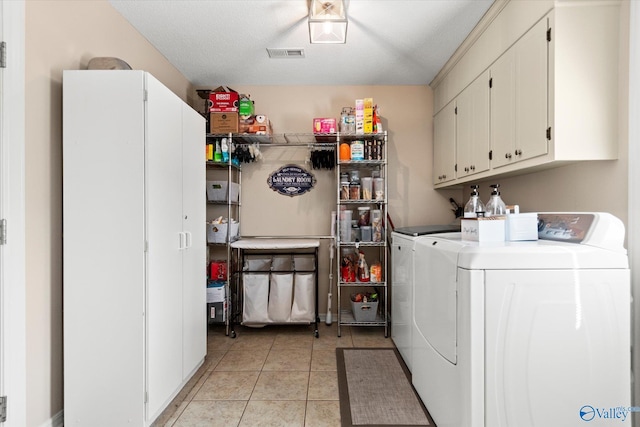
(375, 389)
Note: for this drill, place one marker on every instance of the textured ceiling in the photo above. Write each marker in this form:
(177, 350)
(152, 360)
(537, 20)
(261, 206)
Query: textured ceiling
(389, 42)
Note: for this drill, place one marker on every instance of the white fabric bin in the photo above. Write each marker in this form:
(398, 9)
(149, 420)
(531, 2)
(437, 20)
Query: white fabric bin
(280, 296)
(303, 308)
(281, 263)
(256, 298)
(257, 263)
(304, 262)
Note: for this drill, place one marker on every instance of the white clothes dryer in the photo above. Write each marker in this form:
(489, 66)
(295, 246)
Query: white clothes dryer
(524, 333)
(402, 267)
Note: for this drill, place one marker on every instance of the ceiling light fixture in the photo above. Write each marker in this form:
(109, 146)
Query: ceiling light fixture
(327, 21)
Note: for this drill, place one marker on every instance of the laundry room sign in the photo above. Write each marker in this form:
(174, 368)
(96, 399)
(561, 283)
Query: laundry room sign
(291, 180)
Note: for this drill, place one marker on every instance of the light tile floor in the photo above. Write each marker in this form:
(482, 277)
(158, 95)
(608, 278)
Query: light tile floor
(271, 376)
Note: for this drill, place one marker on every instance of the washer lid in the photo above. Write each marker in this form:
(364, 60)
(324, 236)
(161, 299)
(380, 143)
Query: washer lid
(421, 230)
(533, 255)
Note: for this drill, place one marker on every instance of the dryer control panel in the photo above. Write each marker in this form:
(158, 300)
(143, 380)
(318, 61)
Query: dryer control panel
(598, 229)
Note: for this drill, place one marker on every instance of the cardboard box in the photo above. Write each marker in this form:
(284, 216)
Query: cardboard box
(324, 125)
(359, 116)
(223, 123)
(218, 270)
(257, 124)
(489, 229)
(223, 100)
(368, 115)
(215, 292)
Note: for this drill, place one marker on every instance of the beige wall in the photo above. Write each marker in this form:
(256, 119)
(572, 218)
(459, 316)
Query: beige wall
(406, 113)
(62, 35)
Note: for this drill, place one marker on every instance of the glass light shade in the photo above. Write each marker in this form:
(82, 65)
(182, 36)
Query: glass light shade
(327, 21)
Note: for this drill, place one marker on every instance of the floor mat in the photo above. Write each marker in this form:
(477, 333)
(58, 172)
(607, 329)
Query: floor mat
(375, 389)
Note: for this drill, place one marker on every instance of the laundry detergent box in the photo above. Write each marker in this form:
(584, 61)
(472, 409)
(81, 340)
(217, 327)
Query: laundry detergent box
(483, 229)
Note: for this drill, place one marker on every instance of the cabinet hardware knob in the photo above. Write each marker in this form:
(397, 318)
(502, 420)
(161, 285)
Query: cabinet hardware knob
(518, 152)
(473, 167)
(444, 176)
(466, 169)
(507, 156)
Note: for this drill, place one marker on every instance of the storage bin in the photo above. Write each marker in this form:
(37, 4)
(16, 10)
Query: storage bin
(255, 303)
(281, 263)
(217, 233)
(304, 262)
(215, 292)
(304, 306)
(217, 191)
(280, 297)
(257, 263)
(217, 312)
(364, 311)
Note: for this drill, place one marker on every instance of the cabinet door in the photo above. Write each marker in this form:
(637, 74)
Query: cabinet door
(444, 145)
(503, 127)
(472, 127)
(531, 93)
(194, 278)
(164, 232)
(519, 100)
(103, 219)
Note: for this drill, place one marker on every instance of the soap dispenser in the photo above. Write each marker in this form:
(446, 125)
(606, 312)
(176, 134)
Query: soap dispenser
(474, 205)
(496, 206)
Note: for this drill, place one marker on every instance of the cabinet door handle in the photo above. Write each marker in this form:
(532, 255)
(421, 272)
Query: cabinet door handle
(473, 167)
(183, 239)
(444, 176)
(507, 156)
(187, 239)
(466, 169)
(518, 152)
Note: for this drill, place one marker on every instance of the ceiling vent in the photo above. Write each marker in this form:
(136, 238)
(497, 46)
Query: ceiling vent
(285, 53)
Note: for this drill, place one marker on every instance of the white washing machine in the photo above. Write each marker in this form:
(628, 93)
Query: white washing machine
(402, 266)
(525, 333)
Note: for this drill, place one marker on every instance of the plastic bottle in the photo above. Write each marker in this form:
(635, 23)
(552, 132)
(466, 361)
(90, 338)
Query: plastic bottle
(495, 206)
(474, 205)
(217, 155)
(225, 150)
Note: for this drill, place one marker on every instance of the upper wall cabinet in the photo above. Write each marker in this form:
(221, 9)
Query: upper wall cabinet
(444, 145)
(472, 124)
(553, 97)
(519, 100)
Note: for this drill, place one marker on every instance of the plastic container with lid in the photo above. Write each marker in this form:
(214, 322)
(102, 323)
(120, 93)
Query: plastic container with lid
(367, 188)
(378, 189)
(364, 216)
(345, 151)
(357, 150)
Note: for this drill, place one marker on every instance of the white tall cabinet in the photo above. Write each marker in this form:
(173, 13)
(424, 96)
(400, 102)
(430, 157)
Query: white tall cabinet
(134, 247)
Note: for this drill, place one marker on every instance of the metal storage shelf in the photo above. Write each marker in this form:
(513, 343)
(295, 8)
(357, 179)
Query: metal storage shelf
(379, 248)
(222, 251)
